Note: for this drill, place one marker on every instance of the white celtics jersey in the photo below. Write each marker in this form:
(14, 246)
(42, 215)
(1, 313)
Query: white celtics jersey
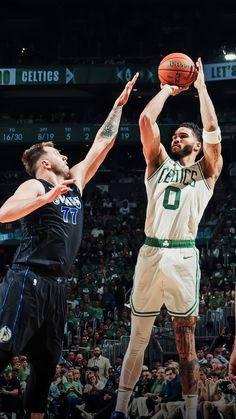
(177, 197)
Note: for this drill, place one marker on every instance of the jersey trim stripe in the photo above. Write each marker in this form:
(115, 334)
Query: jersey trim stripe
(162, 164)
(140, 313)
(21, 299)
(203, 177)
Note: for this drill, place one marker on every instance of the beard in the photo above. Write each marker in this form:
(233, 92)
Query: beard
(61, 171)
(179, 154)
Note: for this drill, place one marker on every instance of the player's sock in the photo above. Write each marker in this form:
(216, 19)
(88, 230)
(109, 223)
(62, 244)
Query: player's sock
(190, 406)
(123, 400)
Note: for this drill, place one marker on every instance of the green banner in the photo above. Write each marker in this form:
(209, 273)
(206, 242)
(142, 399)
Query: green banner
(84, 74)
(100, 74)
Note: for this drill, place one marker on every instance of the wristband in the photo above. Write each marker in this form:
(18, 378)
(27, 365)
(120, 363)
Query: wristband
(211, 137)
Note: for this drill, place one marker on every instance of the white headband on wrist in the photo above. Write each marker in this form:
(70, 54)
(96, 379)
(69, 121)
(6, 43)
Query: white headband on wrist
(212, 137)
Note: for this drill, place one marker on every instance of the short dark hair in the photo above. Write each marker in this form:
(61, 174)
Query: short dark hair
(31, 156)
(94, 368)
(170, 369)
(195, 128)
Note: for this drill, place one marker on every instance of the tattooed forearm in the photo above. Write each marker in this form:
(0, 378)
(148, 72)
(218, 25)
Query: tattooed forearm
(110, 127)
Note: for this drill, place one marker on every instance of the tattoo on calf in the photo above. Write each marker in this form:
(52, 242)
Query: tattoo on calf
(189, 367)
(185, 341)
(189, 376)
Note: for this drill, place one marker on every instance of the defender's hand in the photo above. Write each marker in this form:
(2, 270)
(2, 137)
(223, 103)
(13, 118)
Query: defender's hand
(200, 80)
(58, 190)
(124, 96)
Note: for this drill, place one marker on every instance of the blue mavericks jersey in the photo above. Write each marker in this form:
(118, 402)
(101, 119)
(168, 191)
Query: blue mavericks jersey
(51, 235)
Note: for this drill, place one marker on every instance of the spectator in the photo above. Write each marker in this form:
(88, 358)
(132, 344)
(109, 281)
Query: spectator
(218, 356)
(55, 396)
(72, 392)
(93, 382)
(113, 380)
(118, 364)
(9, 391)
(145, 405)
(100, 361)
(228, 410)
(201, 357)
(78, 364)
(170, 396)
(108, 302)
(124, 209)
(98, 402)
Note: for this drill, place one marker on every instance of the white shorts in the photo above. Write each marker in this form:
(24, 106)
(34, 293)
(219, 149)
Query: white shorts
(166, 276)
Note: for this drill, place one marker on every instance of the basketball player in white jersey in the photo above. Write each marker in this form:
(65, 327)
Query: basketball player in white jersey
(167, 269)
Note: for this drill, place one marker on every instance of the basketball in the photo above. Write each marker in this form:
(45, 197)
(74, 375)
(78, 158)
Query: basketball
(177, 69)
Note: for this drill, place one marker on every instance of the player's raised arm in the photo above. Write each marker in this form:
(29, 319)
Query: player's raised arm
(104, 139)
(154, 152)
(212, 162)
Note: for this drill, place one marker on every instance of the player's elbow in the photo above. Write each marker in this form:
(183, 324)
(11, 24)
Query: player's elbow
(211, 125)
(3, 216)
(145, 119)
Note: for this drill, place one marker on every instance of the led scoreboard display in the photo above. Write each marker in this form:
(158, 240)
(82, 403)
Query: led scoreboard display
(61, 133)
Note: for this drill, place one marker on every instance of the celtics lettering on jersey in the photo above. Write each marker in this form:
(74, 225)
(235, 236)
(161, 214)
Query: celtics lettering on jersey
(186, 176)
(70, 209)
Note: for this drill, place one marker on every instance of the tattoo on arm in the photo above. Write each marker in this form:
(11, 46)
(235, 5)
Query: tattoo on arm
(110, 127)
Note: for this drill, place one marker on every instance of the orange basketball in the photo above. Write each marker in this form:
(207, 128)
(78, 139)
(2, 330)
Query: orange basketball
(177, 69)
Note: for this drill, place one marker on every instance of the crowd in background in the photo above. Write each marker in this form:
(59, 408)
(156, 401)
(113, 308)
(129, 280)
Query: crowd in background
(83, 114)
(86, 387)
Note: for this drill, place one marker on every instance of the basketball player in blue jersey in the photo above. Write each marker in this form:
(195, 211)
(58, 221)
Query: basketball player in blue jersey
(33, 294)
(167, 269)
